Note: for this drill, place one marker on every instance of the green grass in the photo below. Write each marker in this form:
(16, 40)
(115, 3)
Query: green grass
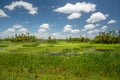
(94, 62)
(92, 66)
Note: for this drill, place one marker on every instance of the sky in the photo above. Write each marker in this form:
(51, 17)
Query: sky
(58, 18)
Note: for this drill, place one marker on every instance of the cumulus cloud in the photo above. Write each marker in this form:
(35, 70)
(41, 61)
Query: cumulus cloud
(84, 30)
(112, 21)
(22, 30)
(7, 33)
(17, 26)
(59, 35)
(32, 10)
(94, 31)
(76, 8)
(104, 28)
(43, 36)
(3, 14)
(89, 26)
(74, 16)
(42, 30)
(45, 26)
(75, 31)
(96, 17)
(55, 34)
(67, 28)
(11, 31)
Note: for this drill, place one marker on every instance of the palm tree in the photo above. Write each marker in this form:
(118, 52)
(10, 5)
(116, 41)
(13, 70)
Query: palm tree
(113, 33)
(110, 32)
(119, 32)
(49, 39)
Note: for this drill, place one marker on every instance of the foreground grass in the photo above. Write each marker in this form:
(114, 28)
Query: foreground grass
(90, 66)
(22, 61)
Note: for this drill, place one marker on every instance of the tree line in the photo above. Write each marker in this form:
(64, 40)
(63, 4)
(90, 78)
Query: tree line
(108, 37)
(77, 39)
(103, 37)
(22, 38)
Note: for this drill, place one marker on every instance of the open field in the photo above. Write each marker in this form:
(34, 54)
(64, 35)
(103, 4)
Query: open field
(59, 61)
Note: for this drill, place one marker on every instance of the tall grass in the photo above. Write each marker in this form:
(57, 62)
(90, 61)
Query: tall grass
(60, 61)
(89, 66)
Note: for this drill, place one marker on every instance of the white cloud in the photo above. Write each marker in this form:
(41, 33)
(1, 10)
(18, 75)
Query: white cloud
(104, 28)
(96, 17)
(84, 30)
(15, 29)
(89, 26)
(76, 8)
(67, 28)
(17, 26)
(74, 16)
(75, 31)
(32, 10)
(97, 24)
(59, 35)
(45, 26)
(10, 30)
(112, 21)
(3, 14)
(94, 31)
(106, 15)
(55, 34)
(22, 30)
(42, 30)
(42, 36)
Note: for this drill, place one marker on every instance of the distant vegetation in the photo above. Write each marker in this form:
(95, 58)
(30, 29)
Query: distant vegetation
(103, 37)
(79, 39)
(108, 37)
(22, 38)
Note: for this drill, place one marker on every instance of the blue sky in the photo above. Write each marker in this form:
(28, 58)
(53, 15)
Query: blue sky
(58, 18)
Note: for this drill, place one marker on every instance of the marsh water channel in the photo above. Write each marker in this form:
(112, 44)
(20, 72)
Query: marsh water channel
(1, 48)
(68, 53)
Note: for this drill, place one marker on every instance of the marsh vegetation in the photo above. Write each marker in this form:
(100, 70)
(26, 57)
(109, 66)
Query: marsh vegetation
(28, 58)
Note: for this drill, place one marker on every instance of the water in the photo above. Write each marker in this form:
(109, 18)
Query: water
(1, 48)
(63, 54)
(89, 50)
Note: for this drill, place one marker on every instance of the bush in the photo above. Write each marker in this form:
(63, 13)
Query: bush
(4, 45)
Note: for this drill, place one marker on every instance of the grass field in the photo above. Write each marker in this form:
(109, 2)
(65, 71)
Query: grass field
(60, 61)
